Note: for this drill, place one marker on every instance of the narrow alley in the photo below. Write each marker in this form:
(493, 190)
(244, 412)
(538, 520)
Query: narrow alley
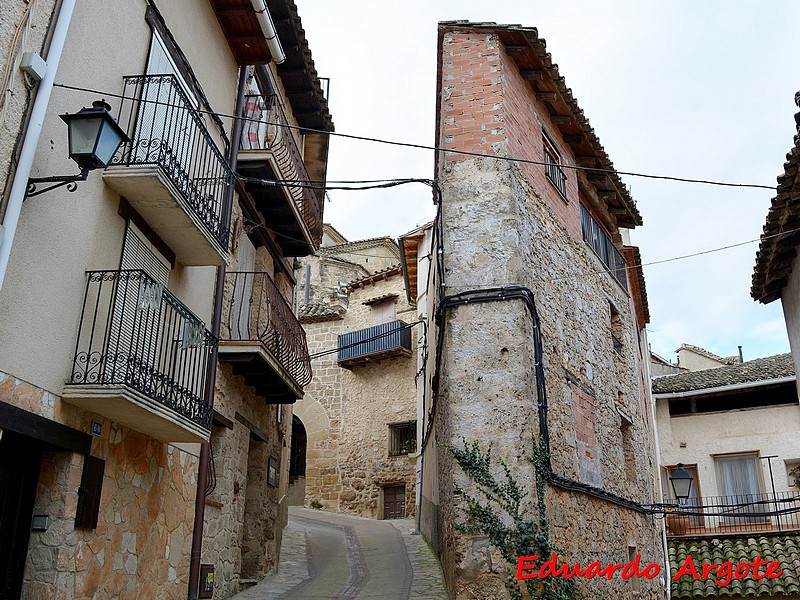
(333, 556)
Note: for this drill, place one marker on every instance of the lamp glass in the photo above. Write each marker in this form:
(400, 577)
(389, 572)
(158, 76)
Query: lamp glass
(83, 136)
(681, 481)
(107, 144)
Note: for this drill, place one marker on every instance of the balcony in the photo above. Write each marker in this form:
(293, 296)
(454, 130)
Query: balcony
(141, 358)
(269, 152)
(171, 171)
(728, 515)
(374, 343)
(262, 339)
(604, 248)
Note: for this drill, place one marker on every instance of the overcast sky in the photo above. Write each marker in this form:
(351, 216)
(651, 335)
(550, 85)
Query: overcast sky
(683, 88)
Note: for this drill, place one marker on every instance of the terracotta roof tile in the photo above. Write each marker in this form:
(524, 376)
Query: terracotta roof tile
(784, 548)
(776, 252)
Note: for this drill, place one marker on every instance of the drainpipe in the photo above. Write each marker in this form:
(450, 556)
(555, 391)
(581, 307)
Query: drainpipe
(202, 471)
(268, 29)
(40, 105)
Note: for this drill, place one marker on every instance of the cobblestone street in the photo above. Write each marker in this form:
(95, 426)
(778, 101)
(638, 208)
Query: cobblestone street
(331, 556)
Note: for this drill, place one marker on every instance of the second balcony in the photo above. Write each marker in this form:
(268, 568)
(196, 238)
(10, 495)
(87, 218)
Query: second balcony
(262, 339)
(277, 177)
(373, 344)
(172, 171)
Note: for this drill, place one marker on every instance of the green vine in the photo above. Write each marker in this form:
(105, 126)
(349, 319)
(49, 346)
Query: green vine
(519, 535)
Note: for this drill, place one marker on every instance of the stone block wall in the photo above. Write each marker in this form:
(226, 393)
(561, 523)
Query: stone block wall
(507, 225)
(23, 27)
(140, 547)
(347, 412)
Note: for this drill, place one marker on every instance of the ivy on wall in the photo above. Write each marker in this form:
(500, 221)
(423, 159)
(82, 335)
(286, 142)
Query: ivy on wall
(499, 515)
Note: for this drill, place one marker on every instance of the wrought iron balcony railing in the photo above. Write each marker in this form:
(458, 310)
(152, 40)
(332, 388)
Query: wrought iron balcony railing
(255, 311)
(134, 332)
(380, 341)
(601, 243)
(267, 128)
(165, 130)
(744, 513)
(555, 173)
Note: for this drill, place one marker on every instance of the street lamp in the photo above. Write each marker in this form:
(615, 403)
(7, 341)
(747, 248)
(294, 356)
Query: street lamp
(94, 137)
(681, 481)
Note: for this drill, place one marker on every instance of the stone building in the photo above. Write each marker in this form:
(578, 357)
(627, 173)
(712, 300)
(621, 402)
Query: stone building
(149, 352)
(358, 415)
(538, 345)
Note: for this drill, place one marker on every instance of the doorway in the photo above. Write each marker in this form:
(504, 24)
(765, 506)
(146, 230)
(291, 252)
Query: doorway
(394, 502)
(20, 461)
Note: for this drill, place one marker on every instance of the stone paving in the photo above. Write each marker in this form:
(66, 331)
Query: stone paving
(328, 556)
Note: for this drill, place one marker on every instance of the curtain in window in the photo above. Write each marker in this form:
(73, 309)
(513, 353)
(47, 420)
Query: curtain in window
(740, 483)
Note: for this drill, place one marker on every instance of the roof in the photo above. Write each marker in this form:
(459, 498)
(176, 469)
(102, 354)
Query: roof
(317, 312)
(298, 75)
(530, 53)
(776, 252)
(784, 548)
(361, 245)
(409, 250)
(381, 275)
(727, 360)
(760, 369)
(334, 233)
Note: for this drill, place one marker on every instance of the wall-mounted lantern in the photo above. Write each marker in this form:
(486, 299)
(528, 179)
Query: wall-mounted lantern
(681, 481)
(94, 137)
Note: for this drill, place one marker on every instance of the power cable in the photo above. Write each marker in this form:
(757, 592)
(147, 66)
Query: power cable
(422, 146)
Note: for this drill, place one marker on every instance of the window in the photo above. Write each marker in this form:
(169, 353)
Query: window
(636, 585)
(403, 438)
(740, 482)
(603, 246)
(616, 328)
(383, 311)
(553, 169)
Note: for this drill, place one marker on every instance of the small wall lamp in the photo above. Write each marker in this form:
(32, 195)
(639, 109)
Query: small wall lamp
(94, 137)
(681, 481)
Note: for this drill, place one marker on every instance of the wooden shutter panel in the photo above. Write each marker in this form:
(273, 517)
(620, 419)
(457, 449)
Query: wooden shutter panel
(89, 492)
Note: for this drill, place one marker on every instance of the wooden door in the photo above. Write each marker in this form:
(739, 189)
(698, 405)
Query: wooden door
(19, 474)
(394, 502)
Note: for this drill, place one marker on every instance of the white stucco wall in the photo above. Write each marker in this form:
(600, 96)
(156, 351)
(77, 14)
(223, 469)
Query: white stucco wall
(61, 235)
(768, 431)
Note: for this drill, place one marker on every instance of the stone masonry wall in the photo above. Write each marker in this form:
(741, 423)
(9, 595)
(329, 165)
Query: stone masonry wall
(141, 545)
(27, 21)
(503, 226)
(347, 461)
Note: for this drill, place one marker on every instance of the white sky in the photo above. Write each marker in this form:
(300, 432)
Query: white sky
(683, 88)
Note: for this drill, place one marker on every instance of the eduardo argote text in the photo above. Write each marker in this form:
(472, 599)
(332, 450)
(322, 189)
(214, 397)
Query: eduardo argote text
(529, 567)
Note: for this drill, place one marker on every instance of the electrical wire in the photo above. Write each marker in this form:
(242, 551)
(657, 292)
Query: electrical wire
(424, 146)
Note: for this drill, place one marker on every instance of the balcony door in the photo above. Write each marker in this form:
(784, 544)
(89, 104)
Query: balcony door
(167, 127)
(741, 485)
(136, 331)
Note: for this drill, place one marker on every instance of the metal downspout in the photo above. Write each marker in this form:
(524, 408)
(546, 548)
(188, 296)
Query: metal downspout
(202, 472)
(40, 106)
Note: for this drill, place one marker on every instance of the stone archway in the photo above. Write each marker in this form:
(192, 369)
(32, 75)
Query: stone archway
(322, 482)
(297, 463)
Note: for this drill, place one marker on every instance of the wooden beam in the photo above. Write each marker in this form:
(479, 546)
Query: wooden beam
(561, 119)
(232, 10)
(516, 49)
(573, 139)
(606, 194)
(586, 161)
(550, 96)
(531, 74)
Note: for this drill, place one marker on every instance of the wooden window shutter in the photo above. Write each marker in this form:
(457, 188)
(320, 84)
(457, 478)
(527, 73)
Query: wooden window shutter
(89, 492)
